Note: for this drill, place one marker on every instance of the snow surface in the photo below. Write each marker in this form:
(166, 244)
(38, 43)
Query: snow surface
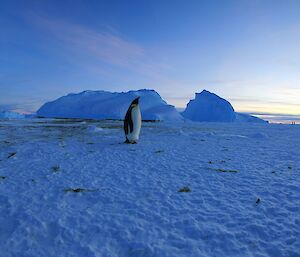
(244, 181)
(107, 105)
(210, 107)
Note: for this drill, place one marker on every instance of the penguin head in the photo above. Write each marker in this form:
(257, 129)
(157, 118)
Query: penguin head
(135, 102)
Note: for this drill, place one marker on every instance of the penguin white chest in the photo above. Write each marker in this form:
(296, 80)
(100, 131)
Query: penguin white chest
(137, 123)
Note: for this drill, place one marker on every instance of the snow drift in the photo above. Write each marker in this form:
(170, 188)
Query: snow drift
(11, 115)
(209, 107)
(243, 117)
(108, 105)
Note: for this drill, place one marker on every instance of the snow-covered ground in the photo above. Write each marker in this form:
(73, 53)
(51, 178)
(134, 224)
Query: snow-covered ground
(72, 188)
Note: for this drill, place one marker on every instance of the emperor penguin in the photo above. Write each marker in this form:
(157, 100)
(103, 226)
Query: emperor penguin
(133, 122)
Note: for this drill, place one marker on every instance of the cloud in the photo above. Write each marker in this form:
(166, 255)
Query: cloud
(28, 105)
(7, 107)
(276, 114)
(93, 47)
(265, 101)
(278, 118)
(10, 80)
(289, 63)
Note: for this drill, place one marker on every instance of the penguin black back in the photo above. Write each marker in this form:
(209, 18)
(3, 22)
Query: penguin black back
(128, 124)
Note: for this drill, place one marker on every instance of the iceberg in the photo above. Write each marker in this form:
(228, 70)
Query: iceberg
(209, 107)
(108, 105)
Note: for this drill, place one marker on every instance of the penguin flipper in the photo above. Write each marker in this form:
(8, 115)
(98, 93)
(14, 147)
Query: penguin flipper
(125, 127)
(126, 121)
(130, 124)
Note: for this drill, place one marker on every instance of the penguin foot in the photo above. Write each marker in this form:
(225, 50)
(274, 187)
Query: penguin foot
(129, 142)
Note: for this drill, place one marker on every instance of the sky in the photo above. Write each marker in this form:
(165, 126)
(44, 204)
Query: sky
(246, 51)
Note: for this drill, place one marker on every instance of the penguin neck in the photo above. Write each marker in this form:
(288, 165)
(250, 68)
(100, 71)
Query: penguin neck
(135, 108)
(136, 113)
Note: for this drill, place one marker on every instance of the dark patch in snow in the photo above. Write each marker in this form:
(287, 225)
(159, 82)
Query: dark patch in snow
(184, 190)
(11, 155)
(79, 190)
(223, 170)
(257, 201)
(55, 168)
